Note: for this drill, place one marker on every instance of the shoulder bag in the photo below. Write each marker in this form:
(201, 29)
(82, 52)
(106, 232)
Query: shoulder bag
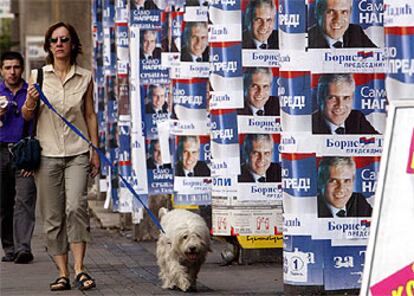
(26, 152)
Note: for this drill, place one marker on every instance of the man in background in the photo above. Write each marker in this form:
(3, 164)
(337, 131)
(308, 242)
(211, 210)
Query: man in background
(17, 187)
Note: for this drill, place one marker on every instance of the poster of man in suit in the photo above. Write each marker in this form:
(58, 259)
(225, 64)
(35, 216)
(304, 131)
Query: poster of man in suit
(194, 46)
(335, 95)
(258, 154)
(258, 100)
(259, 25)
(333, 28)
(149, 49)
(336, 196)
(188, 162)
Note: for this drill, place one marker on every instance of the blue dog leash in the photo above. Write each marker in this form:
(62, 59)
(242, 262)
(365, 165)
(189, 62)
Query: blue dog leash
(101, 155)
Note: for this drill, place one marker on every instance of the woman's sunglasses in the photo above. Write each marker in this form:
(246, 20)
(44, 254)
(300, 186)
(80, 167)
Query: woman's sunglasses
(62, 39)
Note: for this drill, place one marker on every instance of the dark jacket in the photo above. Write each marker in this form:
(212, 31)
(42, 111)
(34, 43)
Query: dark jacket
(149, 4)
(354, 36)
(271, 108)
(356, 123)
(152, 166)
(272, 41)
(186, 56)
(200, 170)
(156, 54)
(150, 109)
(272, 174)
(357, 206)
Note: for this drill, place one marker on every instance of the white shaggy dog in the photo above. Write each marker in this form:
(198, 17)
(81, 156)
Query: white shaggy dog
(182, 249)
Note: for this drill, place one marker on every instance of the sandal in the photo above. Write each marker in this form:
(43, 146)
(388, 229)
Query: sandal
(60, 284)
(81, 281)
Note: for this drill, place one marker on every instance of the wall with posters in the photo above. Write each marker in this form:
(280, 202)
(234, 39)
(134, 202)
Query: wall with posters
(389, 264)
(267, 114)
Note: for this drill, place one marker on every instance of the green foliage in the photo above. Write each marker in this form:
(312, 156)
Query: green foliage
(5, 34)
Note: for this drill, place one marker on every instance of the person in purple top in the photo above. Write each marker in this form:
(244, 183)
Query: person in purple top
(17, 187)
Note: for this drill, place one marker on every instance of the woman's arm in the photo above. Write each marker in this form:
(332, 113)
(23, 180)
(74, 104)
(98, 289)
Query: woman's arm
(92, 125)
(32, 99)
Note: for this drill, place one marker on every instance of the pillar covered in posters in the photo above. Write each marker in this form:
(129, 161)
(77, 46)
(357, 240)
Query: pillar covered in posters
(333, 105)
(399, 34)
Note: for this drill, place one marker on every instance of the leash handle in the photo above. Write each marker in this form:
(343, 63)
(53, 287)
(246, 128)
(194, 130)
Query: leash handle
(101, 155)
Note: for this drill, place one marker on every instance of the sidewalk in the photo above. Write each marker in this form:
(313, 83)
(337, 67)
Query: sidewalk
(122, 266)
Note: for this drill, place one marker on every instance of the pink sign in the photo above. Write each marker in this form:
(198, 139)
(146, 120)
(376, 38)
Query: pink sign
(400, 283)
(410, 165)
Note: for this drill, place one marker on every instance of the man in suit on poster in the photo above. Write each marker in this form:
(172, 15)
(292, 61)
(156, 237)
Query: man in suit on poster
(154, 161)
(257, 89)
(156, 100)
(332, 28)
(258, 166)
(195, 42)
(188, 155)
(149, 50)
(259, 32)
(336, 176)
(335, 97)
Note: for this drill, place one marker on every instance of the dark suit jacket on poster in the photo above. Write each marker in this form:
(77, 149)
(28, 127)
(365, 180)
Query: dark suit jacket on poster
(152, 166)
(354, 36)
(355, 124)
(272, 41)
(149, 4)
(156, 54)
(272, 174)
(357, 206)
(271, 108)
(200, 170)
(150, 109)
(186, 56)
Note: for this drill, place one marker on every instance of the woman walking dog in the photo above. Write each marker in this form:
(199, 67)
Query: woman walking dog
(66, 159)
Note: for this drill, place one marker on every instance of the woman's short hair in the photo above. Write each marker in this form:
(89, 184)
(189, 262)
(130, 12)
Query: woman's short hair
(74, 39)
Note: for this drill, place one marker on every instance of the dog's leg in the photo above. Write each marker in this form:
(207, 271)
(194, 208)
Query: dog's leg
(193, 273)
(179, 276)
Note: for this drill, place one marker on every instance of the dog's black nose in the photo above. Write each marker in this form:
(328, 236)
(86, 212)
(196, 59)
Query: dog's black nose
(193, 249)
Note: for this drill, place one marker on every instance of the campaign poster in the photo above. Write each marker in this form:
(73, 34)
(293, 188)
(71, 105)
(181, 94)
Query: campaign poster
(292, 24)
(259, 25)
(192, 174)
(150, 52)
(160, 173)
(348, 104)
(399, 34)
(225, 150)
(261, 106)
(345, 24)
(156, 107)
(189, 111)
(147, 14)
(260, 169)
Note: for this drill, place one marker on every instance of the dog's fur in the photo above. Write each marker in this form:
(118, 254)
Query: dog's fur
(182, 249)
